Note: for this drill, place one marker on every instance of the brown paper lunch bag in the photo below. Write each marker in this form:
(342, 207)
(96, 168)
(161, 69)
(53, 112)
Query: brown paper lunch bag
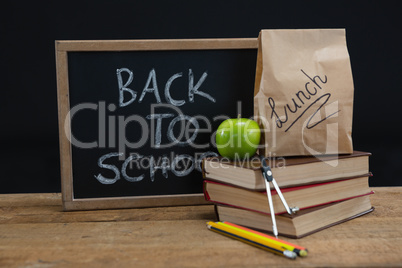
(303, 95)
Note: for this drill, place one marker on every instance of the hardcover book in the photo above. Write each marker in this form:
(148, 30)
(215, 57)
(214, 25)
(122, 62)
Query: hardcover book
(304, 222)
(288, 171)
(301, 197)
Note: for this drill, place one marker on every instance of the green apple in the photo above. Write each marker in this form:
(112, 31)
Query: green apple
(238, 138)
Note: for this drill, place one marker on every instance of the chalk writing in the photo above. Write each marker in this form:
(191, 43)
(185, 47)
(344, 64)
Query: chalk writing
(151, 86)
(158, 131)
(179, 165)
(194, 89)
(124, 88)
(189, 140)
(168, 97)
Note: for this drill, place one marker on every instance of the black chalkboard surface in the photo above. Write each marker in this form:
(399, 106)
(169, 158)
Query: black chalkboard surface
(136, 117)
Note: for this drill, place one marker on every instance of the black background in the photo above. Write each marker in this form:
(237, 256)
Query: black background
(28, 101)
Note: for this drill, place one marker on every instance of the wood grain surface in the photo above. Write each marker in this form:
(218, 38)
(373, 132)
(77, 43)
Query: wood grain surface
(35, 232)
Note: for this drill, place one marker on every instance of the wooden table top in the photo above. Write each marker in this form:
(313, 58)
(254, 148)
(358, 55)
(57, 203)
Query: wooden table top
(35, 232)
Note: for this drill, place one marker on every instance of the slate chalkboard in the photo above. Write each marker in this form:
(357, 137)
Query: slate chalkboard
(136, 117)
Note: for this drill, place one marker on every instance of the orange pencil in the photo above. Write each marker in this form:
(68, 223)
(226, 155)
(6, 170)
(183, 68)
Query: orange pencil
(300, 251)
(251, 239)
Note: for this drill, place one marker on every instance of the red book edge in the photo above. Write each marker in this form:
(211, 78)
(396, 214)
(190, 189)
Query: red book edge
(208, 198)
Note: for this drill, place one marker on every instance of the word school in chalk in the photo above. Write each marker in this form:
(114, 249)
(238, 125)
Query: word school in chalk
(189, 162)
(180, 165)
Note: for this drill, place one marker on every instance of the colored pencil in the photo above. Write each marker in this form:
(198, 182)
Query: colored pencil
(250, 239)
(300, 251)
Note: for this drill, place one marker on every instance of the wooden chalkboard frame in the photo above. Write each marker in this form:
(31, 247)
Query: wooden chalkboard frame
(62, 50)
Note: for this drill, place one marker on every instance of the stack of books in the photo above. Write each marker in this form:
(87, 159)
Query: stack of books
(327, 191)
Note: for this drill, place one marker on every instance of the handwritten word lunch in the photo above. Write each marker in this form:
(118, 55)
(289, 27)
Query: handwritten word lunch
(299, 106)
(180, 165)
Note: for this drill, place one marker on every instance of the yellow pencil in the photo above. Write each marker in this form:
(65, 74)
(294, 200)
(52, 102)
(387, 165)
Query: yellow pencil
(250, 239)
(300, 251)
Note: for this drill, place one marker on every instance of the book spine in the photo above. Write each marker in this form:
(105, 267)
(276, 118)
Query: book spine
(206, 195)
(203, 169)
(207, 198)
(290, 189)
